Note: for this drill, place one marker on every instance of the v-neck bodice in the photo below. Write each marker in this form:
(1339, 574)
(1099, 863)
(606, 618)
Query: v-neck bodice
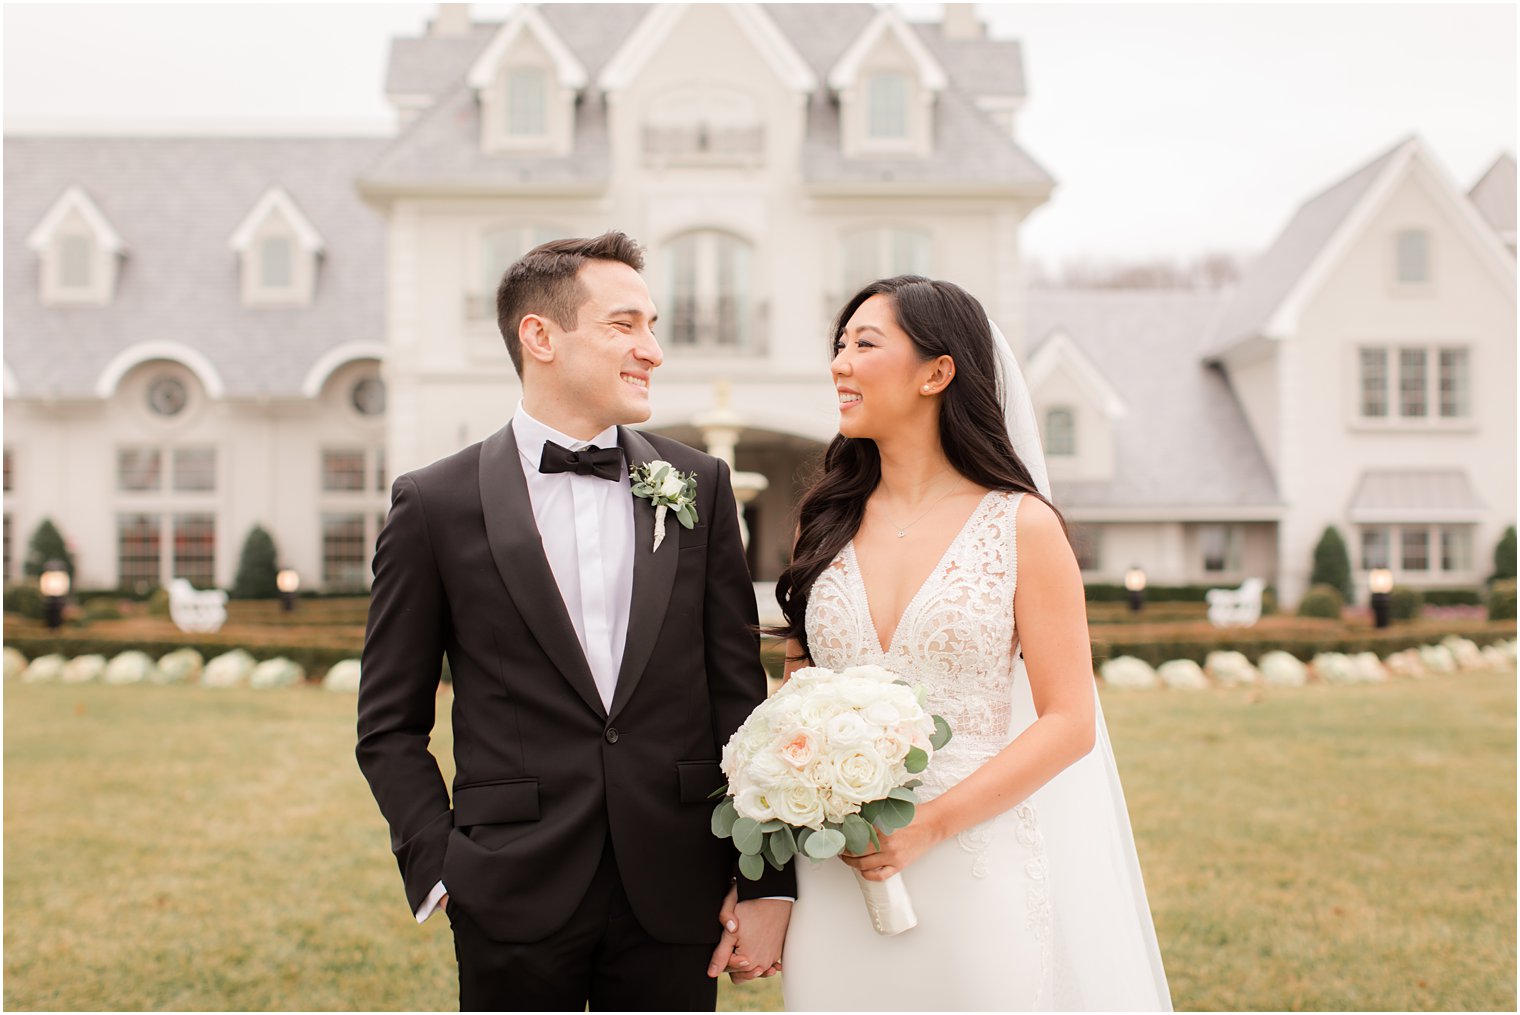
(956, 635)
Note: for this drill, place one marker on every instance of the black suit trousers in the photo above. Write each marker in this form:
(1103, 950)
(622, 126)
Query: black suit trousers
(602, 958)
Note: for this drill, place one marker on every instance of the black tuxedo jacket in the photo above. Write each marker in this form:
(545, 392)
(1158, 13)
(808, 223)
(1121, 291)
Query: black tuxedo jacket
(543, 771)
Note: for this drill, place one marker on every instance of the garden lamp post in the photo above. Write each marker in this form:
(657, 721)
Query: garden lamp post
(54, 584)
(1134, 583)
(287, 581)
(1380, 584)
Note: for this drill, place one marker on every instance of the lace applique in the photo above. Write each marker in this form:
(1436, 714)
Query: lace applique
(1038, 893)
(956, 637)
(975, 841)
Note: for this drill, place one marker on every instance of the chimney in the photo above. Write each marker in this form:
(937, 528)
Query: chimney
(961, 22)
(451, 19)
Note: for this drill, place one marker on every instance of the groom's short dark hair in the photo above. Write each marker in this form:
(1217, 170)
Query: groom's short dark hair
(543, 281)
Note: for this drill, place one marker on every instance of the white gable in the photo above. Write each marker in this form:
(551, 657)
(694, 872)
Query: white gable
(1060, 352)
(528, 21)
(1412, 157)
(275, 202)
(75, 201)
(888, 23)
(756, 26)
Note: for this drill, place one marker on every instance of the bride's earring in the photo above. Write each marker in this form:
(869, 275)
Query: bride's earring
(926, 389)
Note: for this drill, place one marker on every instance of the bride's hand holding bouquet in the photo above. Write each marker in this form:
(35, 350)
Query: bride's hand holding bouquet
(826, 767)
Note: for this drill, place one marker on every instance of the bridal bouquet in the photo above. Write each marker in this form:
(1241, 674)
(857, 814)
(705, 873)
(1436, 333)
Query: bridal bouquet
(824, 765)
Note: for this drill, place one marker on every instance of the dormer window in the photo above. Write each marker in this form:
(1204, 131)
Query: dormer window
(275, 262)
(1413, 253)
(279, 250)
(887, 82)
(526, 81)
(79, 251)
(527, 102)
(1060, 432)
(887, 99)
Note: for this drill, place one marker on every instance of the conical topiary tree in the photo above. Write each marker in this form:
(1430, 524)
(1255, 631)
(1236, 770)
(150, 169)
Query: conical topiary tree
(47, 544)
(257, 567)
(1332, 564)
(1504, 556)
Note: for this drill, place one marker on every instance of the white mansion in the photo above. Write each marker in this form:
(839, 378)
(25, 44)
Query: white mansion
(206, 334)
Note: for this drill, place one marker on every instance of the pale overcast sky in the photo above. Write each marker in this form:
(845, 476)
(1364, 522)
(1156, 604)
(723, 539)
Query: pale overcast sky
(1172, 129)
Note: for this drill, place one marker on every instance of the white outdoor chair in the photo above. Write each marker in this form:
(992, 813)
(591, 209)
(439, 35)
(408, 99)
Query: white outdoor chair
(195, 610)
(1236, 607)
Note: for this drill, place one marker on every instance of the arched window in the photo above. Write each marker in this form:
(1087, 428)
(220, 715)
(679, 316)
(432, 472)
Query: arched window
(881, 252)
(709, 300)
(1060, 432)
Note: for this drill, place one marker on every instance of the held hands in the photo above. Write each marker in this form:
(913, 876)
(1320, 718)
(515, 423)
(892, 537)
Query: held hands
(763, 930)
(897, 849)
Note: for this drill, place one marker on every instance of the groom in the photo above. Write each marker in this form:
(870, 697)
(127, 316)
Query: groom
(595, 677)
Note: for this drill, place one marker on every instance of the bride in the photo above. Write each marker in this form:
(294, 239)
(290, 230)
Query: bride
(929, 546)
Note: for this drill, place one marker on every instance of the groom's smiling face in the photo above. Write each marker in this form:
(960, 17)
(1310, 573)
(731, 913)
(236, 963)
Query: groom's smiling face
(602, 368)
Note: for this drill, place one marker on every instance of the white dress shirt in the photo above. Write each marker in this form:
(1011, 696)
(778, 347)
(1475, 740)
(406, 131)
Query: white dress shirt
(591, 558)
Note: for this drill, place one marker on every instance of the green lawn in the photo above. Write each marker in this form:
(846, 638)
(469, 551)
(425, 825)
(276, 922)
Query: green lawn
(1324, 847)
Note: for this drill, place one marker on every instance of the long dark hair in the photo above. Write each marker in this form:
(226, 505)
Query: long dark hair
(942, 319)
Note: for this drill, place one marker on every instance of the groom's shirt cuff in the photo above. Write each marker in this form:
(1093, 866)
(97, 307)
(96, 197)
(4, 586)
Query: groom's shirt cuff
(431, 902)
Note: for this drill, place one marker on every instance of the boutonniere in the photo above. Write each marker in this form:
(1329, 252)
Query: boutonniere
(659, 483)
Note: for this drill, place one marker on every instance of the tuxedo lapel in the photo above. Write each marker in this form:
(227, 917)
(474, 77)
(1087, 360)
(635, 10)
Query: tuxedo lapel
(518, 550)
(654, 575)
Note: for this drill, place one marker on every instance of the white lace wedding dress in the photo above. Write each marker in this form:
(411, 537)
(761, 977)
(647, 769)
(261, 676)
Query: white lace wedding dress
(1021, 912)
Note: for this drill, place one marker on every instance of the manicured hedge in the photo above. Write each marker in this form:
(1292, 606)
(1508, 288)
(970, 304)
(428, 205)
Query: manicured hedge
(315, 659)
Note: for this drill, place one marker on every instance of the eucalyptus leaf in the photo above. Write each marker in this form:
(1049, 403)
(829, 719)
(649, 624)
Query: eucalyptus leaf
(895, 814)
(777, 864)
(802, 838)
(783, 845)
(720, 791)
(824, 843)
(686, 516)
(917, 760)
(751, 866)
(857, 833)
(875, 838)
(773, 825)
(723, 818)
(871, 810)
(903, 793)
(747, 836)
(941, 735)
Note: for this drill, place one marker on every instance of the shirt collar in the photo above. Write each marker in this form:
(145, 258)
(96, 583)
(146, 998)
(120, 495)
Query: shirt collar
(531, 435)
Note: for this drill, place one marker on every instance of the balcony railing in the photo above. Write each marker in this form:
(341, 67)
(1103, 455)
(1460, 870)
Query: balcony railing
(702, 145)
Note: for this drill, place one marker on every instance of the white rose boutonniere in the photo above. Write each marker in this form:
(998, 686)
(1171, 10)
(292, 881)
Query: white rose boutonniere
(659, 483)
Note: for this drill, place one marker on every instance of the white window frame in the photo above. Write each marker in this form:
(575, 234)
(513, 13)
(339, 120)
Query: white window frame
(1407, 254)
(1061, 443)
(1431, 392)
(1230, 564)
(1437, 540)
(877, 117)
(513, 80)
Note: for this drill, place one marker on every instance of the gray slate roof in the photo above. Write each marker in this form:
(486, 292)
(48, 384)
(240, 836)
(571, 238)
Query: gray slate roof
(1184, 441)
(1494, 195)
(176, 203)
(441, 148)
(1271, 277)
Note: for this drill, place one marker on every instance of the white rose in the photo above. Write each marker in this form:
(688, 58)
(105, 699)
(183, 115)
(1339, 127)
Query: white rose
(799, 804)
(672, 486)
(847, 729)
(765, 769)
(870, 672)
(751, 802)
(858, 691)
(862, 775)
(882, 713)
(836, 808)
(893, 748)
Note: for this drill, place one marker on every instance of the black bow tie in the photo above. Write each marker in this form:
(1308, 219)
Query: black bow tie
(604, 463)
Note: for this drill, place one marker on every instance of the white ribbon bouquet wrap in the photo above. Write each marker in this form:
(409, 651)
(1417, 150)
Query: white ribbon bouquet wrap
(825, 765)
